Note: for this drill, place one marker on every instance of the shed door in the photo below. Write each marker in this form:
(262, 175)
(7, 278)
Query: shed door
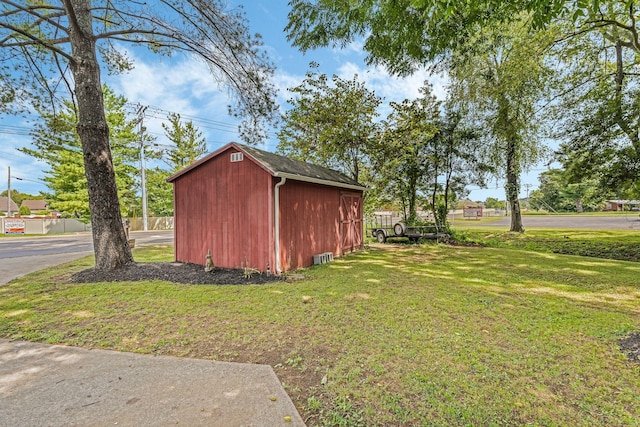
(350, 221)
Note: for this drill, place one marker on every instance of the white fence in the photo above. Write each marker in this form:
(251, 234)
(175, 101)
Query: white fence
(65, 225)
(50, 226)
(153, 223)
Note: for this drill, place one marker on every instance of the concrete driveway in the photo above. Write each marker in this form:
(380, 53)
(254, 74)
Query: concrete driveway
(50, 385)
(614, 222)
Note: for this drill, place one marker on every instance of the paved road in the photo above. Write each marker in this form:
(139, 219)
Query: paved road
(617, 222)
(23, 255)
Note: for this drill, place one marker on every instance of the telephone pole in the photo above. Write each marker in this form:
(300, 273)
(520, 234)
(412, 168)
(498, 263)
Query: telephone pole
(528, 186)
(9, 192)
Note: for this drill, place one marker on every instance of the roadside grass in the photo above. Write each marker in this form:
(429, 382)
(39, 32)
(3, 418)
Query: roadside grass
(391, 335)
(609, 244)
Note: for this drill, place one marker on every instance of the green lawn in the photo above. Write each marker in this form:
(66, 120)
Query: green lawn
(611, 244)
(392, 335)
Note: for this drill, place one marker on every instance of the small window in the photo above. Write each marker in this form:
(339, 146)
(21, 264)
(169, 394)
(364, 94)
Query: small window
(237, 157)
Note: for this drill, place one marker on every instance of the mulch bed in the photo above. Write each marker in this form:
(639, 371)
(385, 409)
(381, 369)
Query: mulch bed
(631, 346)
(172, 272)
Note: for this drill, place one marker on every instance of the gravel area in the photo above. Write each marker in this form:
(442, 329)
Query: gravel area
(172, 272)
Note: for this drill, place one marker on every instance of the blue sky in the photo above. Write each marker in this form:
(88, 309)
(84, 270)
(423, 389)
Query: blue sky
(183, 85)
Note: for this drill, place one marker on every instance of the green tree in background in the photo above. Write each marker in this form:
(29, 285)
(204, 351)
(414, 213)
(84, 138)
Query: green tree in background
(56, 142)
(407, 145)
(331, 123)
(557, 193)
(189, 144)
(502, 83)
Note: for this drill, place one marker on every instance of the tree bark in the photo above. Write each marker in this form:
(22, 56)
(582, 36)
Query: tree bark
(513, 187)
(109, 239)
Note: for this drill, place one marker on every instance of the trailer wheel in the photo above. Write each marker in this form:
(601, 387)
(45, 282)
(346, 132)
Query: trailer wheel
(381, 237)
(399, 229)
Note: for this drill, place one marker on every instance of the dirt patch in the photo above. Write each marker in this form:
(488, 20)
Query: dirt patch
(631, 346)
(175, 272)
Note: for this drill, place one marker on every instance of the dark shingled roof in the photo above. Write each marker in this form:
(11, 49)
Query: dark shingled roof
(279, 165)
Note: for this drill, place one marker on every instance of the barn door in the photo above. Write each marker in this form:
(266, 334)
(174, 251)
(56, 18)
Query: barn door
(350, 221)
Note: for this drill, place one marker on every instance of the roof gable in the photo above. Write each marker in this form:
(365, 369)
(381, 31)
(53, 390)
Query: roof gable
(3, 205)
(281, 166)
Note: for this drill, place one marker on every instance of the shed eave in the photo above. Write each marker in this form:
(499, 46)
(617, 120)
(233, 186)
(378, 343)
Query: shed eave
(319, 181)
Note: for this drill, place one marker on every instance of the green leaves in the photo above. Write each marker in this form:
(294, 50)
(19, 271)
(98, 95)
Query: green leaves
(56, 142)
(331, 123)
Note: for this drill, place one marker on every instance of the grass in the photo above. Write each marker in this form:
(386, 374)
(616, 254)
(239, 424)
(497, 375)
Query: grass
(609, 244)
(392, 335)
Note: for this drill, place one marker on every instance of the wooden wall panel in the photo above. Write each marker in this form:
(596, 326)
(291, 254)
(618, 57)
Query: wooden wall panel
(310, 223)
(225, 207)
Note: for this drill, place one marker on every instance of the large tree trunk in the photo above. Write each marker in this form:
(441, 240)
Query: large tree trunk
(513, 187)
(109, 240)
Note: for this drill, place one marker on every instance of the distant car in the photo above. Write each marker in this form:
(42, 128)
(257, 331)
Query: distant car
(635, 208)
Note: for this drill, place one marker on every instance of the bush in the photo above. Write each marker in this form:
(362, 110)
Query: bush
(24, 210)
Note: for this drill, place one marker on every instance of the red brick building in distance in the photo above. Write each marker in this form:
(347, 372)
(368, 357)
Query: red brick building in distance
(252, 208)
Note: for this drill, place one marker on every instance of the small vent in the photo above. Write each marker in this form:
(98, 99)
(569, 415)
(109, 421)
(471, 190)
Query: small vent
(237, 157)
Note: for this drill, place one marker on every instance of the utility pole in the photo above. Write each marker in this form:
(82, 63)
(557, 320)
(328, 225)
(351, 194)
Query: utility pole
(527, 186)
(9, 193)
(143, 178)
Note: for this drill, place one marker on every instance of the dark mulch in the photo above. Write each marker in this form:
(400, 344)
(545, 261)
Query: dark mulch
(172, 272)
(630, 346)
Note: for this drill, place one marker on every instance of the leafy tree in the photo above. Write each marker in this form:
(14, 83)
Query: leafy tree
(557, 193)
(493, 203)
(56, 142)
(330, 123)
(24, 210)
(597, 110)
(458, 158)
(502, 86)
(408, 142)
(55, 44)
(189, 144)
(159, 192)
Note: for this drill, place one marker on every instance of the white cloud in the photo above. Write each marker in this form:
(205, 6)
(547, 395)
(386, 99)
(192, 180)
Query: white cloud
(393, 88)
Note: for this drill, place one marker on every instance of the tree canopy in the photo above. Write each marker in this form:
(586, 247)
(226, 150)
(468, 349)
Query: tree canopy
(46, 46)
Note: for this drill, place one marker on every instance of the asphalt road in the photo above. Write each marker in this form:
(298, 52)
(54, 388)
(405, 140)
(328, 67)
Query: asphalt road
(617, 222)
(23, 255)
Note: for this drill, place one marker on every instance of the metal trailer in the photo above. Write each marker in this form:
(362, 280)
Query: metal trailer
(383, 230)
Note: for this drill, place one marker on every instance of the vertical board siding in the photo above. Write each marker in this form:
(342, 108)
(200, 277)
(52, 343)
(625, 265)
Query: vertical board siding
(351, 223)
(310, 223)
(224, 207)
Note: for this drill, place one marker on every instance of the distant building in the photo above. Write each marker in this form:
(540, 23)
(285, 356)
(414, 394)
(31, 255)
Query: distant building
(619, 205)
(35, 205)
(7, 204)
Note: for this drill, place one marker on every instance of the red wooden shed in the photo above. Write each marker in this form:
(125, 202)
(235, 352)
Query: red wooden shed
(256, 209)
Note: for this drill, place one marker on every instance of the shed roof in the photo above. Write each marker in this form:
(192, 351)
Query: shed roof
(281, 166)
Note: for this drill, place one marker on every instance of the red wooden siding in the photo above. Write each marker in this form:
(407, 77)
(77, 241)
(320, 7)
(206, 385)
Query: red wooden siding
(310, 222)
(225, 207)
